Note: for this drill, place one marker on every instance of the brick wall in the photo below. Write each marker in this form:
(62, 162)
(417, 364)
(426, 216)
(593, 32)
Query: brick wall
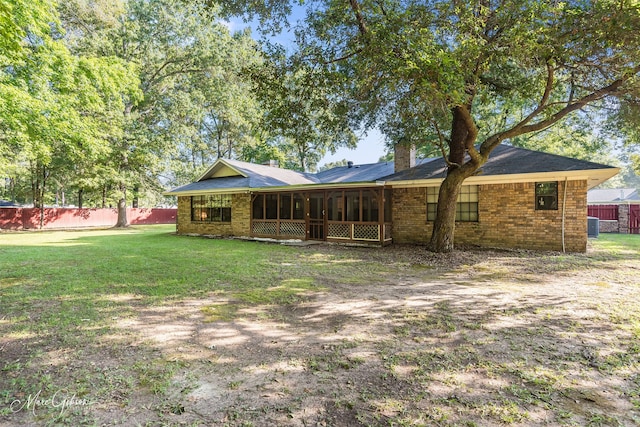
(608, 226)
(239, 225)
(623, 219)
(506, 218)
(404, 157)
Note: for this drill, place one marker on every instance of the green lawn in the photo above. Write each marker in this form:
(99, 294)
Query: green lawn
(73, 276)
(64, 296)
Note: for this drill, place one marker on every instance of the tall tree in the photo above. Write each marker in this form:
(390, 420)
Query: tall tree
(58, 108)
(301, 109)
(185, 57)
(426, 70)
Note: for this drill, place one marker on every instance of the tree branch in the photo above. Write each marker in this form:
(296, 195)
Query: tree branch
(545, 97)
(362, 26)
(441, 143)
(342, 58)
(521, 128)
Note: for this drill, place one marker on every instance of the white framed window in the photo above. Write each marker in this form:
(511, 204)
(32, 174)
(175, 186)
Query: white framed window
(466, 207)
(212, 208)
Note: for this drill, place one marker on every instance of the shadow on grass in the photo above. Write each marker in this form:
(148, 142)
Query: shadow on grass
(374, 337)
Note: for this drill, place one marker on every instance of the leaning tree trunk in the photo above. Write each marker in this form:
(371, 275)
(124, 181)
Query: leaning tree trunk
(445, 222)
(122, 214)
(463, 136)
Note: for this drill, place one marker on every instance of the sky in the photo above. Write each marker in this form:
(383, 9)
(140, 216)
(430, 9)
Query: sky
(370, 147)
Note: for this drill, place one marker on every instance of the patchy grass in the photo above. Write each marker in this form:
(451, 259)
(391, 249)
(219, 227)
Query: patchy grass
(142, 327)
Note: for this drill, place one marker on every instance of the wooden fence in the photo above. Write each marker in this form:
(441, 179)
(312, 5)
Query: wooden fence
(604, 212)
(622, 218)
(29, 218)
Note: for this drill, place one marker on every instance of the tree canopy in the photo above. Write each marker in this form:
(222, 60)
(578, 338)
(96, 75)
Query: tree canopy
(467, 75)
(104, 96)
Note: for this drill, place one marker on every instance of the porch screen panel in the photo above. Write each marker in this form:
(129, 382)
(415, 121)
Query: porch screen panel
(334, 206)
(369, 206)
(257, 207)
(271, 206)
(352, 205)
(298, 206)
(388, 206)
(285, 206)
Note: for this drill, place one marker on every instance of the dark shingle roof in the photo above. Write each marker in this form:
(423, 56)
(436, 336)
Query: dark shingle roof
(359, 173)
(267, 176)
(504, 160)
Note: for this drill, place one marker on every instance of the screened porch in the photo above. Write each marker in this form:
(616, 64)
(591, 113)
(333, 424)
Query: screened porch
(341, 215)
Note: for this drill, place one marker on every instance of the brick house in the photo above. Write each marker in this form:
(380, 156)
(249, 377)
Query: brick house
(519, 199)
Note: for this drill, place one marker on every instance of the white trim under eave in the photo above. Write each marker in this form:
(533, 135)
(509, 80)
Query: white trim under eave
(244, 190)
(318, 187)
(593, 177)
(285, 188)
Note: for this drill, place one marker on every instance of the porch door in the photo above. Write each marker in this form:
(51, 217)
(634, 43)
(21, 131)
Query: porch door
(316, 214)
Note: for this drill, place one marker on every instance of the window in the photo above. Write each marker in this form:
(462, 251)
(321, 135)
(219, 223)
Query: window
(547, 196)
(213, 208)
(466, 208)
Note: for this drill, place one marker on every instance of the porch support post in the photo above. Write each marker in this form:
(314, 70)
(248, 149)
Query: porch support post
(381, 219)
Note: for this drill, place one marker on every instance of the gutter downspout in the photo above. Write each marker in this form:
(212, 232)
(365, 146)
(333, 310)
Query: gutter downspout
(564, 206)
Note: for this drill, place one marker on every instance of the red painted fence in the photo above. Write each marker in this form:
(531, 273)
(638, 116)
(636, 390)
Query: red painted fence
(29, 218)
(604, 212)
(634, 219)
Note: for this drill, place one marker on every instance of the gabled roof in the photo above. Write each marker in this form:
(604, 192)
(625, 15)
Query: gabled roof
(507, 161)
(612, 195)
(232, 175)
(506, 164)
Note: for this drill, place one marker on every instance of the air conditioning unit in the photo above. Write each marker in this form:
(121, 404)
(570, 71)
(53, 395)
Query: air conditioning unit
(593, 226)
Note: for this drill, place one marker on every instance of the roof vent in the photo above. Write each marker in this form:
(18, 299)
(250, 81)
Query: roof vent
(349, 164)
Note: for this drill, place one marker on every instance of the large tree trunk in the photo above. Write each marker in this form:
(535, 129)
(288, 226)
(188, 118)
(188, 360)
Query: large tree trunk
(122, 214)
(445, 222)
(463, 134)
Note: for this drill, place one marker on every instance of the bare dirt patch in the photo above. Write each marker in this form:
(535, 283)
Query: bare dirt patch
(475, 338)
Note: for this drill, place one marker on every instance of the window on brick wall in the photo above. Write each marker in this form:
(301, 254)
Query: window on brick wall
(466, 208)
(547, 196)
(211, 208)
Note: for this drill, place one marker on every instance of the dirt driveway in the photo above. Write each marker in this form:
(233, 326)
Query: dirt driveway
(478, 338)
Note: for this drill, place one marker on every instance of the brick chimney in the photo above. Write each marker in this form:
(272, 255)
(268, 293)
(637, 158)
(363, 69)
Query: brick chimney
(404, 157)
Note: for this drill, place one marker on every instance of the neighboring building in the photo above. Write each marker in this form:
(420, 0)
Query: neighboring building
(617, 208)
(608, 196)
(518, 199)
